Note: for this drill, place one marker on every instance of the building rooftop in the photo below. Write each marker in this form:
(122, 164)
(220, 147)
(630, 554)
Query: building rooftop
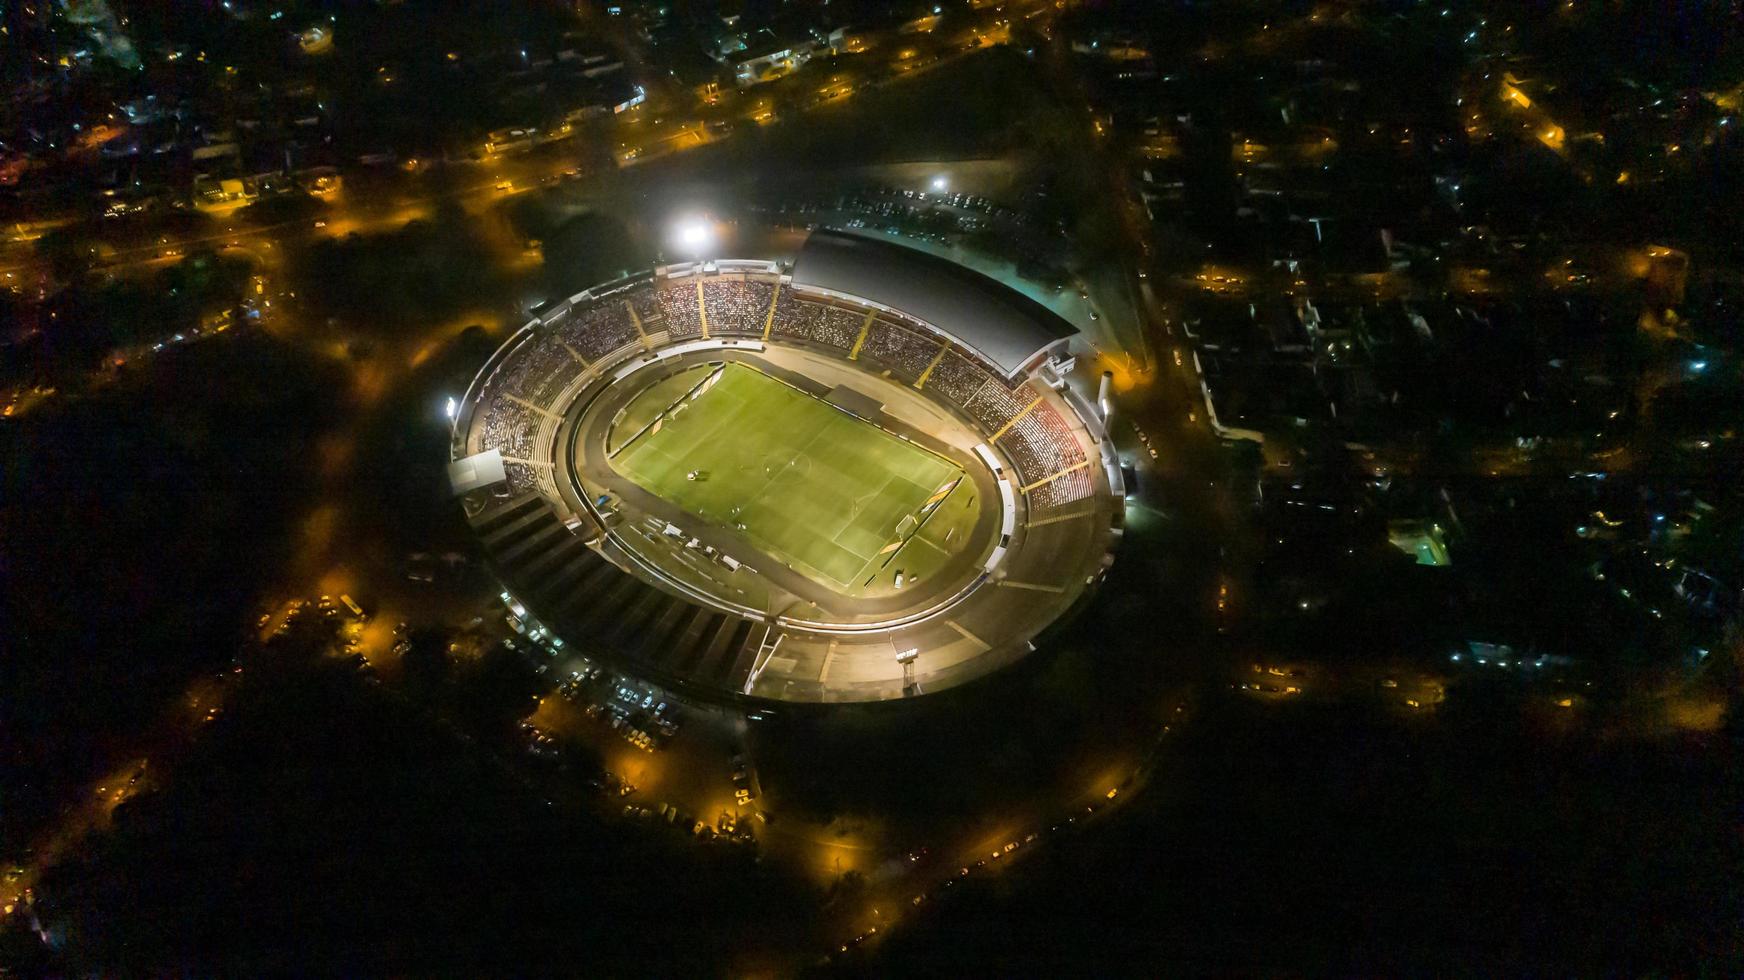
(1004, 326)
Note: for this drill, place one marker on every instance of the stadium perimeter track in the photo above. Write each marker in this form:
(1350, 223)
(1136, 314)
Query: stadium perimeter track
(594, 553)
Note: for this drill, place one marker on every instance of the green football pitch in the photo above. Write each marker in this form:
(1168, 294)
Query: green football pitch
(830, 494)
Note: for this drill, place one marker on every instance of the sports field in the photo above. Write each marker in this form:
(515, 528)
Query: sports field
(839, 499)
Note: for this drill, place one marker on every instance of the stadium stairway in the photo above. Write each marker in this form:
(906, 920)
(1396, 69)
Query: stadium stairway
(595, 605)
(503, 519)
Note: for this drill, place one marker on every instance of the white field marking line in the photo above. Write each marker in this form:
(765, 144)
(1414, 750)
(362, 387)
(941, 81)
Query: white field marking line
(896, 532)
(660, 450)
(665, 412)
(757, 497)
(644, 439)
(895, 439)
(721, 420)
(726, 420)
(890, 476)
(745, 461)
(931, 544)
(865, 560)
(848, 584)
(924, 521)
(828, 424)
(859, 504)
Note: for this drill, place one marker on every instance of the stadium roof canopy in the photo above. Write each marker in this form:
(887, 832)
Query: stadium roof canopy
(1001, 324)
(478, 470)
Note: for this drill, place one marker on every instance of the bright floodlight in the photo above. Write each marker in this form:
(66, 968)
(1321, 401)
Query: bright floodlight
(939, 184)
(695, 235)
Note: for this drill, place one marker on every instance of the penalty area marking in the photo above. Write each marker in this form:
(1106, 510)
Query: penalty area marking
(934, 502)
(669, 411)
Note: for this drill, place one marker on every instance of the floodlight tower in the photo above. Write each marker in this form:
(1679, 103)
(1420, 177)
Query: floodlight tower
(694, 237)
(907, 658)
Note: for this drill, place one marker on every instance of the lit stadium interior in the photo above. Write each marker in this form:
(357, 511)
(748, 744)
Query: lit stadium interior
(861, 477)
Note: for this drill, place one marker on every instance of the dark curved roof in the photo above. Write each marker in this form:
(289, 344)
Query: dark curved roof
(998, 322)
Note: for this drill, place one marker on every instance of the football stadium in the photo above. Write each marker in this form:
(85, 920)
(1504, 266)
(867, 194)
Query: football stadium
(862, 475)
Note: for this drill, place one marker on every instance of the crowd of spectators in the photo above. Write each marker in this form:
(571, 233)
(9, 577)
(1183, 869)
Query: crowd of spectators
(993, 404)
(1072, 487)
(538, 370)
(737, 306)
(598, 330)
(957, 378)
(817, 323)
(522, 478)
(509, 427)
(903, 351)
(682, 314)
(1051, 428)
(1041, 444)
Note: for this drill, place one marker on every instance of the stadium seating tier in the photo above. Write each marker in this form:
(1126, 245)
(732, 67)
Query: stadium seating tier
(1040, 443)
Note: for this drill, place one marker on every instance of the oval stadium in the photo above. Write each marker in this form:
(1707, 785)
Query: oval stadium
(860, 476)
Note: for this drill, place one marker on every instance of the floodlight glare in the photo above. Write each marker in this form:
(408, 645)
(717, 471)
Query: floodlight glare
(939, 184)
(695, 235)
